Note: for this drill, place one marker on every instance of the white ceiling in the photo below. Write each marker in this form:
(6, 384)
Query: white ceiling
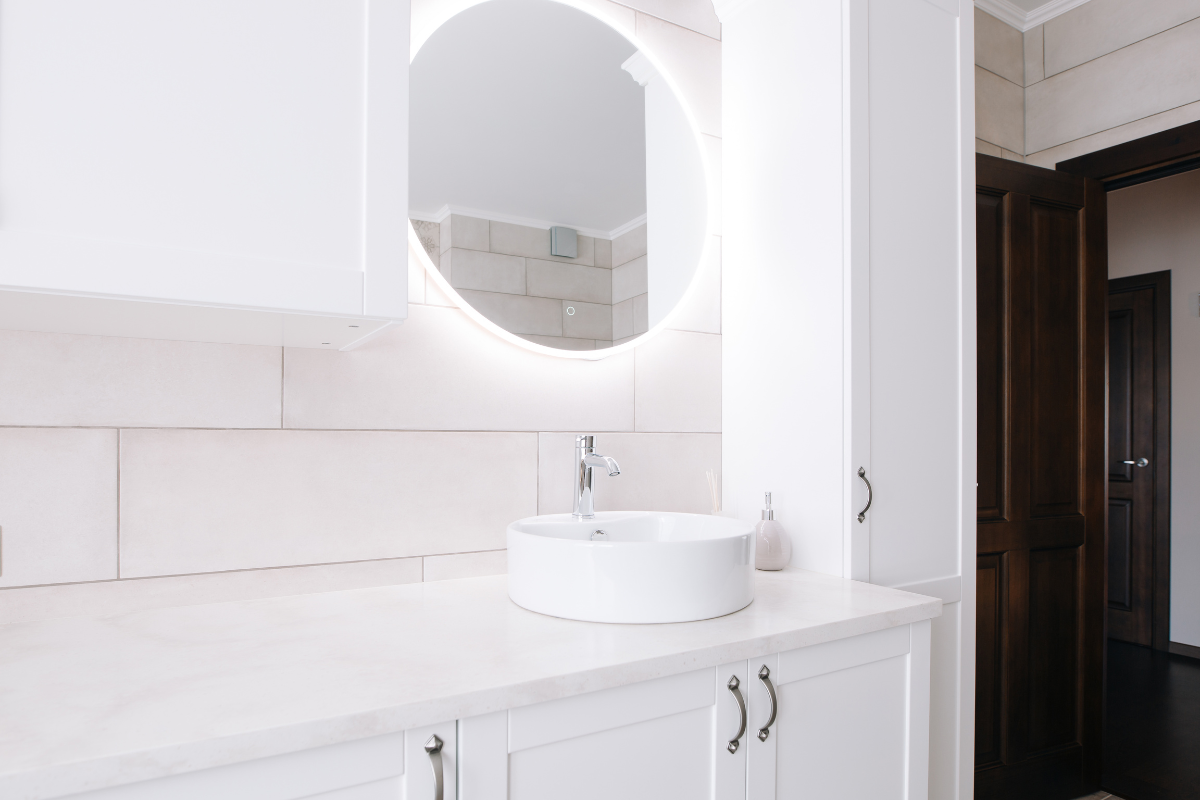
(1026, 14)
(520, 107)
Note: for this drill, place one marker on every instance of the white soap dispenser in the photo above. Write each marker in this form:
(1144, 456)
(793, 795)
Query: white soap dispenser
(773, 547)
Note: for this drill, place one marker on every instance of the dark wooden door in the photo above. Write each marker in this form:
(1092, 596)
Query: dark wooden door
(1041, 297)
(1138, 385)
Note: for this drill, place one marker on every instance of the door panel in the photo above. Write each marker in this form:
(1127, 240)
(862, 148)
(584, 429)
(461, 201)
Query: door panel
(1040, 535)
(1131, 489)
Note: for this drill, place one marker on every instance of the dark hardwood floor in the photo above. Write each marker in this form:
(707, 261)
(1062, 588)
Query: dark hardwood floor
(1152, 724)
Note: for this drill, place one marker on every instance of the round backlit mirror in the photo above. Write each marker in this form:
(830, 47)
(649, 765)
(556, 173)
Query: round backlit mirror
(556, 182)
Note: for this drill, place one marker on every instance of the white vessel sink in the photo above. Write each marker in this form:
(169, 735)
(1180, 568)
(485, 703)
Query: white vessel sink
(646, 567)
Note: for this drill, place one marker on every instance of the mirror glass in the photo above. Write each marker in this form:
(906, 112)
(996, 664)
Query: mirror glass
(555, 180)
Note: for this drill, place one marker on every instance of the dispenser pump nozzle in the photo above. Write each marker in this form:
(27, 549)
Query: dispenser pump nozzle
(768, 512)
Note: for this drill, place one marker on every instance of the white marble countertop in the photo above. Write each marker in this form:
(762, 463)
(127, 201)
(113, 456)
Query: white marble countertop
(87, 703)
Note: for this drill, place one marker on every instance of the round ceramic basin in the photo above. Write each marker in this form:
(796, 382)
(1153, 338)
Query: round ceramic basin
(631, 566)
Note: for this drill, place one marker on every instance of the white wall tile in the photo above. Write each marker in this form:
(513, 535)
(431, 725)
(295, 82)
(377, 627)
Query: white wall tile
(641, 314)
(659, 471)
(1137, 81)
(622, 315)
(518, 313)
(466, 565)
(700, 309)
(999, 111)
(441, 371)
(1035, 65)
(568, 281)
(699, 15)
(470, 233)
(693, 61)
(999, 48)
(561, 342)
(628, 246)
(58, 505)
(1100, 27)
(206, 501)
(416, 278)
(679, 383)
(109, 598)
(485, 272)
(522, 240)
(630, 280)
(586, 320)
(1123, 133)
(64, 379)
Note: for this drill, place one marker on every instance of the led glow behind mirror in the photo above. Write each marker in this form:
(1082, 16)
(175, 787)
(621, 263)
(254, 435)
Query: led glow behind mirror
(529, 115)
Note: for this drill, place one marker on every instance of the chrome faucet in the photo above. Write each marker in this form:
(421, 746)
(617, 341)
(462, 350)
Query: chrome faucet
(585, 460)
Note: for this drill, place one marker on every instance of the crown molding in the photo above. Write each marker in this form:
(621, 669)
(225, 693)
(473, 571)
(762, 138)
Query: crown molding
(442, 213)
(1022, 20)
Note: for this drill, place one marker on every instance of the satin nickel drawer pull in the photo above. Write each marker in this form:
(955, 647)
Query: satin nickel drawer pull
(764, 675)
(434, 748)
(733, 685)
(862, 473)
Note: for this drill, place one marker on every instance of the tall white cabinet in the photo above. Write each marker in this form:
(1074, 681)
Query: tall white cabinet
(849, 305)
(212, 170)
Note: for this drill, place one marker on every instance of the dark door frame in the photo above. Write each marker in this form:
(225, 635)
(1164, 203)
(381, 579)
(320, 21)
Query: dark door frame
(1141, 160)
(1160, 581)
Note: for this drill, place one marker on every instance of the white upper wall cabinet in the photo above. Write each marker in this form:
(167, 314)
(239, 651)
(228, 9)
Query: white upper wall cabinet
(245, 158)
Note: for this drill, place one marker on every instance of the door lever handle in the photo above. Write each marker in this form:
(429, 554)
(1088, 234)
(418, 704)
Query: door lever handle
(1141, 462)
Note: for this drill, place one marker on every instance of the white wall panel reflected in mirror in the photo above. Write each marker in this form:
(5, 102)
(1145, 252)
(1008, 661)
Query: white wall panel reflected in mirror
(528, 115)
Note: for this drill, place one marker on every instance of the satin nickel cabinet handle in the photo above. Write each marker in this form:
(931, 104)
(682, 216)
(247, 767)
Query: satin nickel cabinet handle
(433, 746)
(764, 675)
(733, 685)
(862, 473)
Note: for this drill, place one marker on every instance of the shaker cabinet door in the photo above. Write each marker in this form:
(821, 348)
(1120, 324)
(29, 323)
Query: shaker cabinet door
(852, 719)
(667, 737)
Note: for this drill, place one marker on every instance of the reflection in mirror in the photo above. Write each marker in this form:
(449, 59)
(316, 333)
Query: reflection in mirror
(555, 180)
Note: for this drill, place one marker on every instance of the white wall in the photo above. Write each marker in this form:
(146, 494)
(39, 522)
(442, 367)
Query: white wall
(849, 329)
(1153, 227)
(139, 472)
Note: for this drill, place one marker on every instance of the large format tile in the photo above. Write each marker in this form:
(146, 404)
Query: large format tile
(628, 246)
(630, 280)
(518, 313)
(112, 597)
(622, 316)
(587, 320)
(1122, 133)
(712, 152)
(64, 379)
(1035, 64)
(485, 272)
(522, 240)
(561, 342)
(58, 505)
(1137, 81)
(999, 48)
(693, 61)
(659, 471)
(206, 501)
(568, 281)
(695, 14)
(700, 308)
(469, 233)
(466, 565)
(999, 111)
(679, 383)
(441, 371)
(1100, 27)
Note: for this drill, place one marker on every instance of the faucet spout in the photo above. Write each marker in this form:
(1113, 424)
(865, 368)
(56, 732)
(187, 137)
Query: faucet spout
(587, 459)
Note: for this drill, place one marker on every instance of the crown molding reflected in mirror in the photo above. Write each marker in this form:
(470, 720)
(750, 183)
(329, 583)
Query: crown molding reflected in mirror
(430, 15)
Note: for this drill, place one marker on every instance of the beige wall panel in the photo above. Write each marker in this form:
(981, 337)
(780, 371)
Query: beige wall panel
(999, 48)
(1035, 65)
(1113, 136)
(1100, 27)
(1146, 78)
(999, 111)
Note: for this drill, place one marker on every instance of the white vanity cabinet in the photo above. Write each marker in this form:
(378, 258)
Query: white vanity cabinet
(851, 721)
(227, 171)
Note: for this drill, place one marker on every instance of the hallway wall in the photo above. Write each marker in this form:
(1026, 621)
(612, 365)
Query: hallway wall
(1152, 227)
